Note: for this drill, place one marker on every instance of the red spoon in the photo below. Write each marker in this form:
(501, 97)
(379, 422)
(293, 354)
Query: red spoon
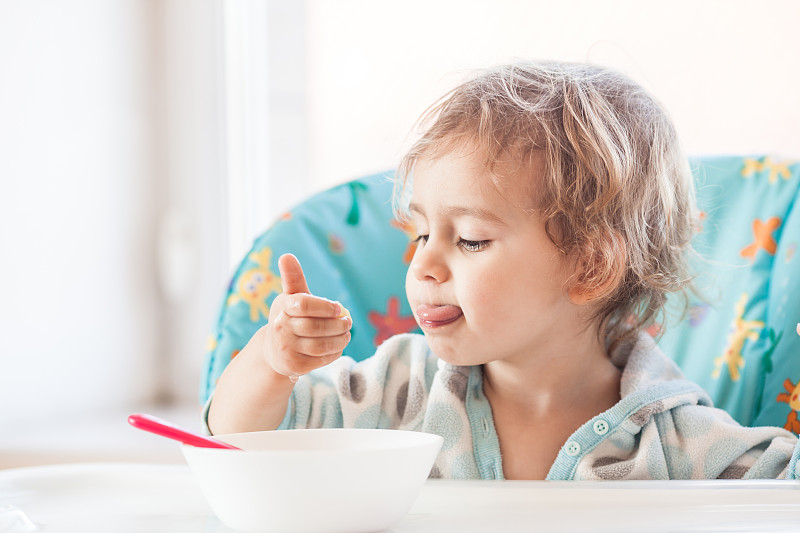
(165, 429)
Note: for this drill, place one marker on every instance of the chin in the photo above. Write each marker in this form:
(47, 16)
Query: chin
(450, 354)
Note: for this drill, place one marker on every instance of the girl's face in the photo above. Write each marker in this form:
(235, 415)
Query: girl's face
(485, 283)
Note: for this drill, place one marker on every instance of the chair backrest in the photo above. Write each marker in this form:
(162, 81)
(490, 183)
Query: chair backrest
(737, 341)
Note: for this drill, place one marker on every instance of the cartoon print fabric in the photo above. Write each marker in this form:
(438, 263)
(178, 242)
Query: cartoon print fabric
(256, 285)
(351, 250)
(748, 298)
(736, 339)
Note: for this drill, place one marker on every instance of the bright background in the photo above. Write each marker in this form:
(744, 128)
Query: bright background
(145, 143)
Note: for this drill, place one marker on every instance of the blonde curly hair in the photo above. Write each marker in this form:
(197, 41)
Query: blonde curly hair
(615, 190)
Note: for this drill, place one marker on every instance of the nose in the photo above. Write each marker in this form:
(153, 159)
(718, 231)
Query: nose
(428, 263)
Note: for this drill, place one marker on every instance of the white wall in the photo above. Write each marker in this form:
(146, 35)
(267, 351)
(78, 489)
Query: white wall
(79, 320)
(112, 205)
(266, 115)
(728, 70)
(192, 224)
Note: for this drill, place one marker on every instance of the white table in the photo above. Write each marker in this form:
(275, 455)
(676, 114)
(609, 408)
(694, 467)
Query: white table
(129, 497)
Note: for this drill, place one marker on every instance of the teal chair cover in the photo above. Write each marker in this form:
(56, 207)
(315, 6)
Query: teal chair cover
(738, 339)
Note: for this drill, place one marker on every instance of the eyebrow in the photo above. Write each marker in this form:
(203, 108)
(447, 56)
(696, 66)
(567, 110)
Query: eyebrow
(456, 211)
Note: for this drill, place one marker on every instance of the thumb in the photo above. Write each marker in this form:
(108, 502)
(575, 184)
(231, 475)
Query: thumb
(292, 278)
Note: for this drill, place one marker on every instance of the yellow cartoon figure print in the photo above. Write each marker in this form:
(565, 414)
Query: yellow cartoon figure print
(256, 284)
(776, 168)
(741, 330)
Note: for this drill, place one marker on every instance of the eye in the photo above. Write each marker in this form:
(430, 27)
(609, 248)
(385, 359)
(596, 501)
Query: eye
(421, 238)
(473, 246)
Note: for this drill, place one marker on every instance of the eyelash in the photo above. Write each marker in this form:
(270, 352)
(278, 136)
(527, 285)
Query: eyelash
(473, 246)
(470, 246)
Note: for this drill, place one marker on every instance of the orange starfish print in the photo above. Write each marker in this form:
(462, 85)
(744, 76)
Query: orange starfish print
(407, 227)
(792, 397)
(762, 232)
(391, 323)
(698, 224)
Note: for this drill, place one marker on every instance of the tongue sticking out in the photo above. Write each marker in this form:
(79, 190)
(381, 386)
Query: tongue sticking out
(438, 315)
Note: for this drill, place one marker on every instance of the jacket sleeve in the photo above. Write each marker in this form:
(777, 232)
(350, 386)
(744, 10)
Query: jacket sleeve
(386, 391)
(714, 446)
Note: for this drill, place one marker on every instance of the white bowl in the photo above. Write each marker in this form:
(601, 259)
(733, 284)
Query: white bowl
(314, 480)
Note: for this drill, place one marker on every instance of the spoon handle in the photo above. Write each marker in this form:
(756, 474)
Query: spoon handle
(165, 429)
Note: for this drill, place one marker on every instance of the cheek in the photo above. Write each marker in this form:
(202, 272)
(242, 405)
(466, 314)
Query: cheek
(476, 300)
(488, 297)
(409, 284)
(519, 286)
(416, 291)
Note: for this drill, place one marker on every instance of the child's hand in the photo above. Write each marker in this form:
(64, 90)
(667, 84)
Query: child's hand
(304, 332)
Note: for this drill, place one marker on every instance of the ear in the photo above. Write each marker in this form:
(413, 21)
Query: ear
(599, 272)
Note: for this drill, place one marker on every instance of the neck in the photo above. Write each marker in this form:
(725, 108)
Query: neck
(561, 376)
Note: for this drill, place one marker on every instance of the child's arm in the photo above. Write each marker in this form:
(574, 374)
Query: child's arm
(304, 332)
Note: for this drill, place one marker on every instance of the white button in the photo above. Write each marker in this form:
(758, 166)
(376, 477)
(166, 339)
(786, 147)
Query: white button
(572, 448)
(600, 427)
(485, 425)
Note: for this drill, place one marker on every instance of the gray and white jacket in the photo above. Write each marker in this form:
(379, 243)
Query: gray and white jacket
(664, 427)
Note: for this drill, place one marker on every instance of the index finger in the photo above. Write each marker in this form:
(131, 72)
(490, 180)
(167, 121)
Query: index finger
(308, 305)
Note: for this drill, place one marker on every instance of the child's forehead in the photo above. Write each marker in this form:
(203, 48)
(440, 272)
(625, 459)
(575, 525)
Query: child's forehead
(509, 171)
(512, 179)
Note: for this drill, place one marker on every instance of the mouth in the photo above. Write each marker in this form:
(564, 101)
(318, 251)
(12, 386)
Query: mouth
(436, 316)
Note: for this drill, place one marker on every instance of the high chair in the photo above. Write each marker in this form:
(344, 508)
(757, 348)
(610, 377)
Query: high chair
(737, 339)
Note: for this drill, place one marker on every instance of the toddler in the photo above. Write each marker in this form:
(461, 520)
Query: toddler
(554, 210)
